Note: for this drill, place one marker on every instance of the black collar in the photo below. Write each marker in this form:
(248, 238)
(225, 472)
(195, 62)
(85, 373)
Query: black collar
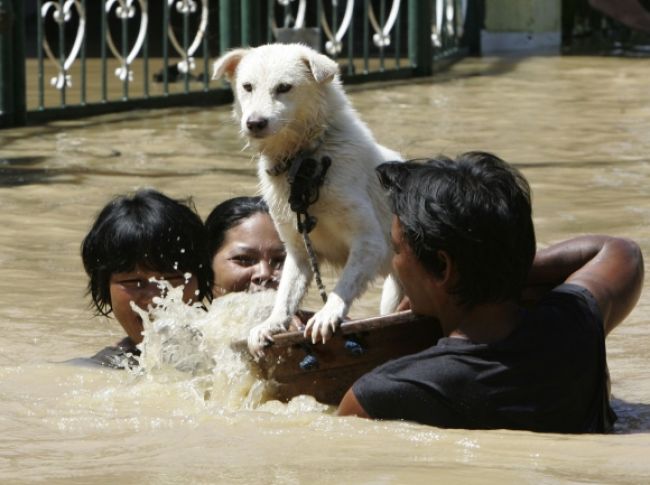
(306, 176)
(286, 164)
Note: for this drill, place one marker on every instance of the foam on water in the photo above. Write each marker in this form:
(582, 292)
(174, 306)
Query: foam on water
(184, 342)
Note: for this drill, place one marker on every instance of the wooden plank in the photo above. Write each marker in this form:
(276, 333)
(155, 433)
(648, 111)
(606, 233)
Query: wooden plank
(326, 371)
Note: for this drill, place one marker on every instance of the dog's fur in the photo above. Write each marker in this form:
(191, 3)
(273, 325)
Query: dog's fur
(353, 212)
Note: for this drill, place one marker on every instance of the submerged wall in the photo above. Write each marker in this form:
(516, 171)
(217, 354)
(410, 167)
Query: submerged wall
(522, 25)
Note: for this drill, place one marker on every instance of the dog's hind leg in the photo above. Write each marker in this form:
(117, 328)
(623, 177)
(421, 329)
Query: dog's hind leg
(295, 279)
(391, 295)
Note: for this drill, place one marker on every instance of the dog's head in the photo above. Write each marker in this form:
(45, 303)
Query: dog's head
(279, 89)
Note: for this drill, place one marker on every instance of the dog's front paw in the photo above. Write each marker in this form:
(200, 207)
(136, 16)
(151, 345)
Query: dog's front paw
(325, 322)
(261, 336)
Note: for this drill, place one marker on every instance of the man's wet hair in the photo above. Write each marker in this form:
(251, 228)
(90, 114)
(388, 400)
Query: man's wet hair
(477, 208)
(147, 229)
(229, 214)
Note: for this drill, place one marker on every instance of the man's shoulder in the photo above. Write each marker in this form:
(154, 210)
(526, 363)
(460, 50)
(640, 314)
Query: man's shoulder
(445, 355)
(572, 294)
(445, 367)
(569, 309)
(427, 387)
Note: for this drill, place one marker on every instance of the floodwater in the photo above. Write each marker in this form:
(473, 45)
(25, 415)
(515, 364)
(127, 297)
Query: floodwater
(578, 127)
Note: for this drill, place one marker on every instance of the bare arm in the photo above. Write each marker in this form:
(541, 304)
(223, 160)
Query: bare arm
(350, 406)
(610, 268)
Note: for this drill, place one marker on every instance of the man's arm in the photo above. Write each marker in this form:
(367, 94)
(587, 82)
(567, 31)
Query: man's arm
(610, 268)
(350, 406)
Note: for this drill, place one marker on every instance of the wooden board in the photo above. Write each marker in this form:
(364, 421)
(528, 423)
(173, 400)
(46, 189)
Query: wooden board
(326, 371)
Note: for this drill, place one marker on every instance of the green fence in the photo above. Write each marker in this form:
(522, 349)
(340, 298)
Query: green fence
(72, 58)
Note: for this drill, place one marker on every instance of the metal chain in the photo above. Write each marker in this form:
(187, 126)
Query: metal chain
(305, 180)
(313, 262)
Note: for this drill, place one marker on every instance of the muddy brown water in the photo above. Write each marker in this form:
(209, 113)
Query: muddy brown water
(578, 127)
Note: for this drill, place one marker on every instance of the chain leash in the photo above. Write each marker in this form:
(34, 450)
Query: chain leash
(305, 180)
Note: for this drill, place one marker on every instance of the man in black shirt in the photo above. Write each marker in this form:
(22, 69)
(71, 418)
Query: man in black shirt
(524, 333)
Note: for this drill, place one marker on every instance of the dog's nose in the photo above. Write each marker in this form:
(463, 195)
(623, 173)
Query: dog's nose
(256, 123)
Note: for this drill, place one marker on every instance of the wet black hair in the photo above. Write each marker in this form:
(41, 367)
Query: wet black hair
(476, 208)
(148, 229)
(228, 214)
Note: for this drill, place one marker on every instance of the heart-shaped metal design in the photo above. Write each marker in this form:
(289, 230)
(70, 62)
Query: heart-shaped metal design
(126, 10)
(334, 44)
(188, 7)
(381, 38)
(62, 13)
(298, 21)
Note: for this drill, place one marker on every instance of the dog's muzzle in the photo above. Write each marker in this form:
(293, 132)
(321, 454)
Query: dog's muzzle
(257, 125)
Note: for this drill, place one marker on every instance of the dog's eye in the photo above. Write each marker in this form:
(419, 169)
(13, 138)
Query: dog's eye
(248, 87)
(283, 88)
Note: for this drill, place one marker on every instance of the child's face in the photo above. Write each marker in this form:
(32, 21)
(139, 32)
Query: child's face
(134, 286)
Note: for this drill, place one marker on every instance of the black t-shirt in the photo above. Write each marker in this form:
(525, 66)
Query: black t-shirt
(549, 375)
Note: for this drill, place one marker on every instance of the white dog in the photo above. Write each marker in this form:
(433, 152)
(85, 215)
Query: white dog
(289, 101)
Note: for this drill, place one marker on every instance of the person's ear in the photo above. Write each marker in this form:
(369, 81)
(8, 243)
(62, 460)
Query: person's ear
(447, 267)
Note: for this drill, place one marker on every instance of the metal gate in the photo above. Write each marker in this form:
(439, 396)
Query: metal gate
(72, 58)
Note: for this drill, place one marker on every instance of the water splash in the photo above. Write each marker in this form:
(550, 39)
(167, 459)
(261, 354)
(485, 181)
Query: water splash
(188, 342)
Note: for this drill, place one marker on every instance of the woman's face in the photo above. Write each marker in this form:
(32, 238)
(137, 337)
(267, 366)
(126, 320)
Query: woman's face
(135, 286)
(250, 258)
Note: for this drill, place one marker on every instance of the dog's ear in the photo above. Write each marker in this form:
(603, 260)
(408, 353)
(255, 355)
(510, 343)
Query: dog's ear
(226, 65)
(322, 67)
